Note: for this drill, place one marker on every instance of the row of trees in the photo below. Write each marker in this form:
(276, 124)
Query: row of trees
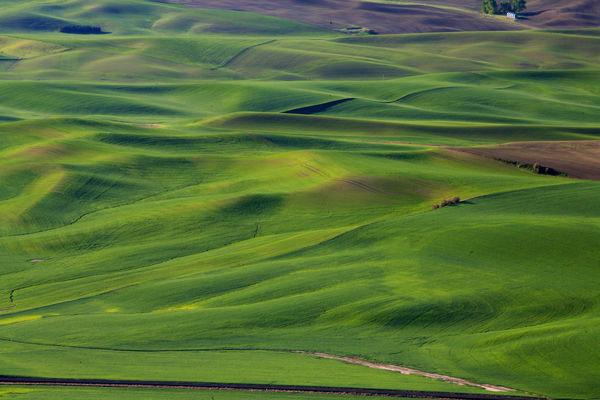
(82, 29)
(491, 7)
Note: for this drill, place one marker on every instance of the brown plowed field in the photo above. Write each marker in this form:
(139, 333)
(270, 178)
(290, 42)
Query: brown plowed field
(578, 159)
(563, 13)
(382, 18)
(414, 16)
(543, 13)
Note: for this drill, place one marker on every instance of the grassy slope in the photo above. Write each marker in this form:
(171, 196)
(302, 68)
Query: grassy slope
(261, 367)
(237, 226)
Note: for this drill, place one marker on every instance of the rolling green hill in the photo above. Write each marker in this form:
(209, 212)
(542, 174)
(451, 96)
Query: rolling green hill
(202, 194)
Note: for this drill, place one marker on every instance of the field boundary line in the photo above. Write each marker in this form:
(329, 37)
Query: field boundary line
(241, 53)
(32, 381)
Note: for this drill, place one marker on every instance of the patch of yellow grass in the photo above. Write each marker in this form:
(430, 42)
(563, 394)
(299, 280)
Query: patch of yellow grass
(23, 48)
(16, 320)
(179, 308)
(14, 390)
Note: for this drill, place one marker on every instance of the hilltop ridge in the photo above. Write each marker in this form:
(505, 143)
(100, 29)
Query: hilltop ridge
(401, 16)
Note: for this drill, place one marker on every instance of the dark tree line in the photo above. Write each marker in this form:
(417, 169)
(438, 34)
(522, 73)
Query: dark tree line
(505, 6)
(82, 29)
(445, 203)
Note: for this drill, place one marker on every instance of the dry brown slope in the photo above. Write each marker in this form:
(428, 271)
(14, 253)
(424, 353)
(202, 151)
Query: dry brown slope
(563, 13)
(382, 18)
(414, 16)
(578, 159)
(539, 13)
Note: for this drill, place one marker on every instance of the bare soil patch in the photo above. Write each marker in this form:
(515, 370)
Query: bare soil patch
(542, 13)
(578, 159)
(563, 13)
(378, 17)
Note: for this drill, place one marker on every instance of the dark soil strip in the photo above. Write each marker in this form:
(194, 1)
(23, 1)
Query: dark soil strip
(14, 380)
(317, 108)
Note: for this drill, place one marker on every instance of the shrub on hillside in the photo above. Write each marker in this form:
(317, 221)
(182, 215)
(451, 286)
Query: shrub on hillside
(445, 203)
(536, 168)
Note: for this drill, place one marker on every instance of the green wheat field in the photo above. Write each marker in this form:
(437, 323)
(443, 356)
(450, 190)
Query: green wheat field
(200, 194)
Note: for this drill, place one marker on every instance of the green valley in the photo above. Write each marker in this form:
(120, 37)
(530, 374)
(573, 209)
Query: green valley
(216, 196)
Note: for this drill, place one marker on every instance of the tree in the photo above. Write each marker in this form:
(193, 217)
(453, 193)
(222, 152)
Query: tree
(519, 5)
(505, 7)
(488, 6)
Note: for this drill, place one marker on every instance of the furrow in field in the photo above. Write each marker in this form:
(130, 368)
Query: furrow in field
(241, 53)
